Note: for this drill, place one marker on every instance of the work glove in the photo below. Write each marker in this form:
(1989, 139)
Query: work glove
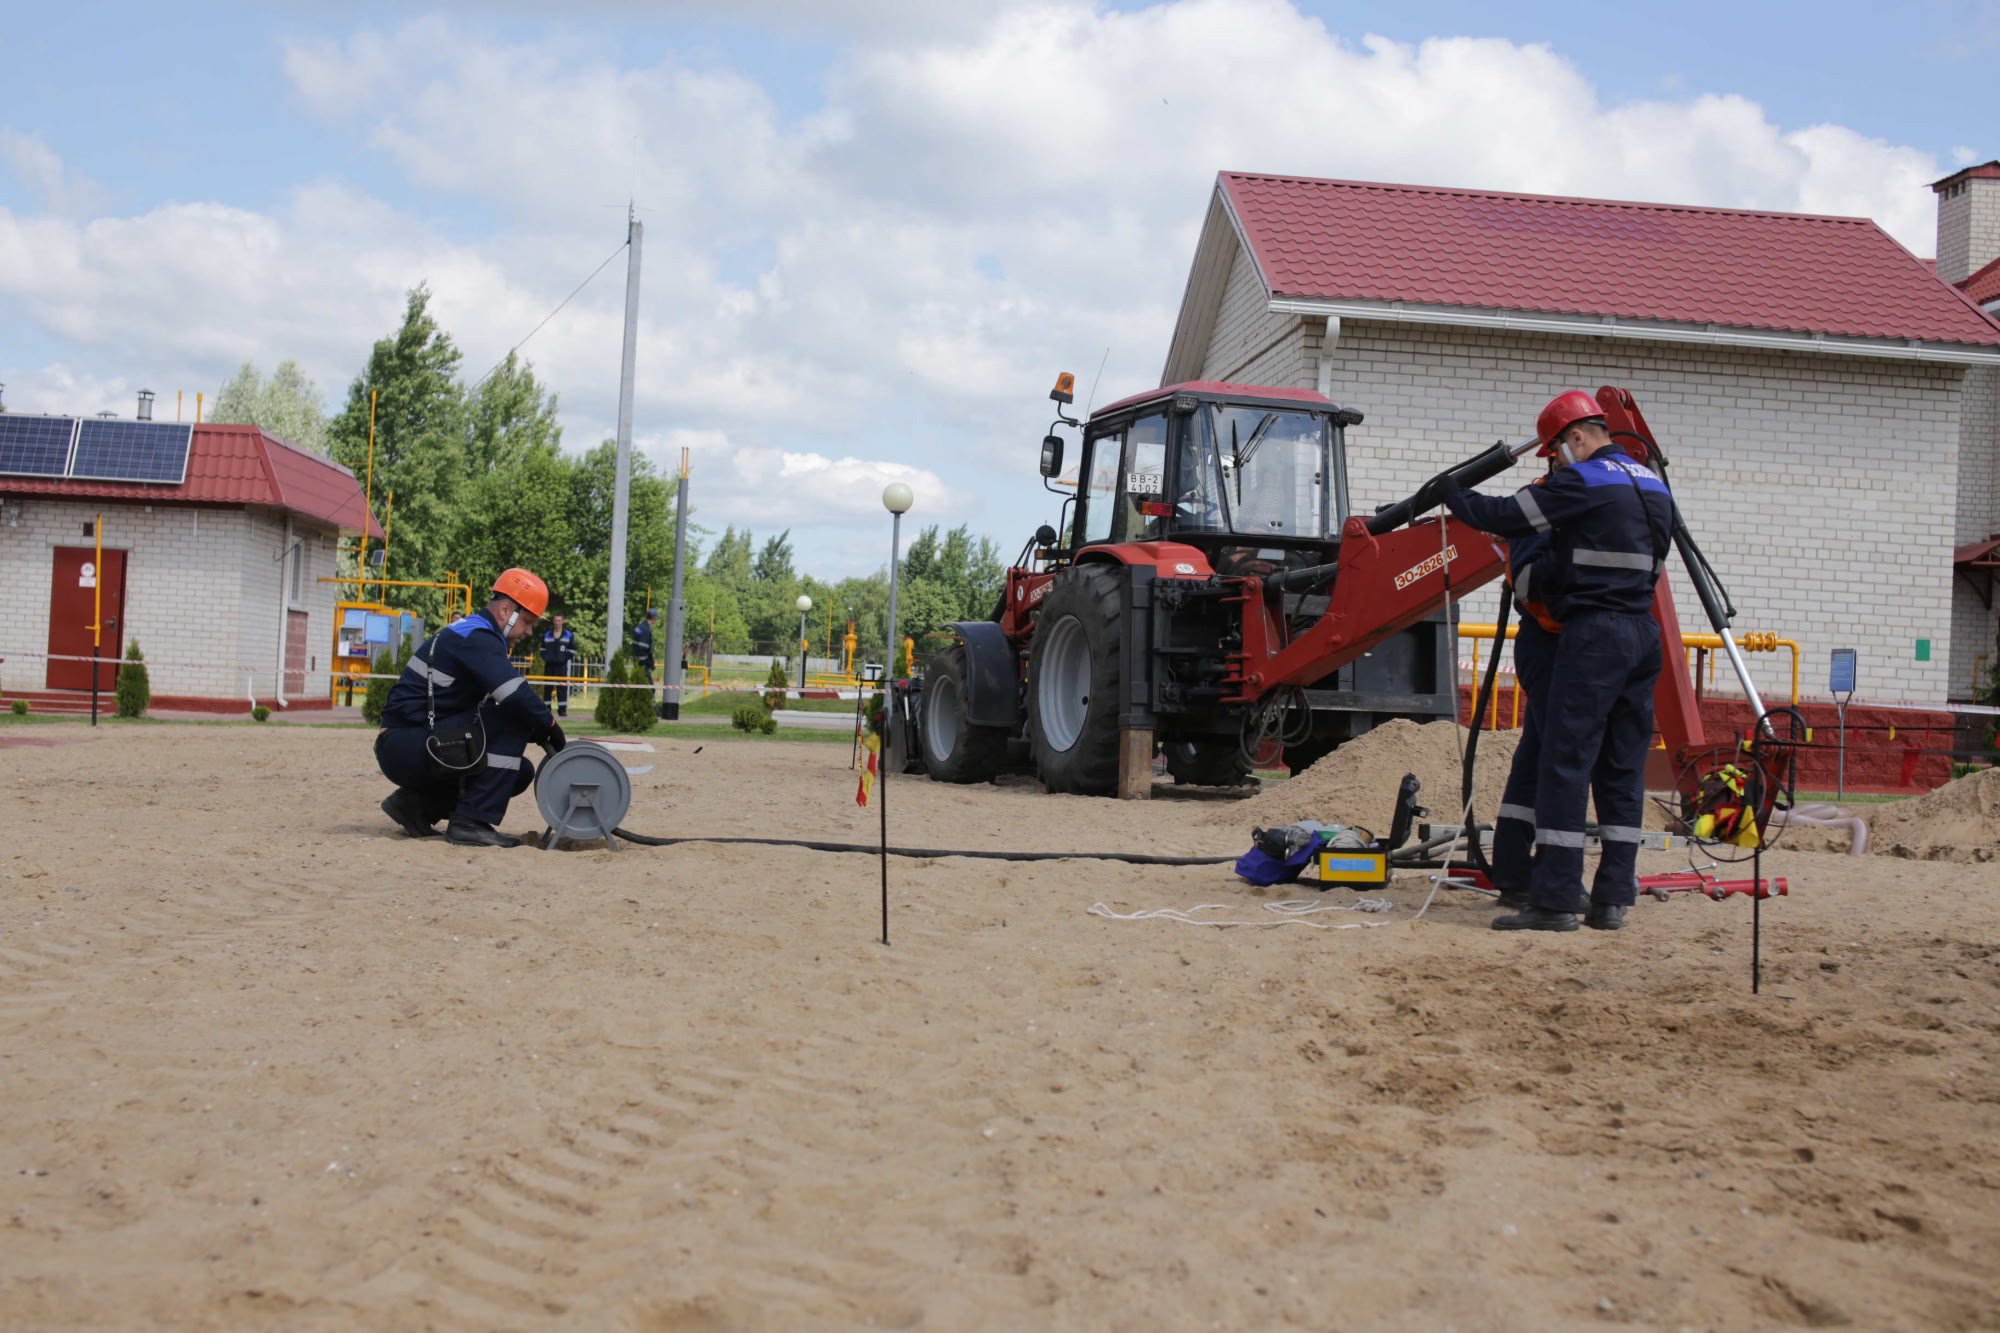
(553, 740)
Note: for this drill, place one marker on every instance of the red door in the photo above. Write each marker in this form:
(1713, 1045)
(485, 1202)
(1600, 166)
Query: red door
(295, 654)
(74, 598)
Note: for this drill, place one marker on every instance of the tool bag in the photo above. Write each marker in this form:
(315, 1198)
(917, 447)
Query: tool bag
(457, 747)
(1280, 855)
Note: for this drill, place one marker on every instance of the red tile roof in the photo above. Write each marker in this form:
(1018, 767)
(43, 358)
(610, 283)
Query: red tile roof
(235, 465)
(1984, 285)
(1352, 240)
(1984, 171)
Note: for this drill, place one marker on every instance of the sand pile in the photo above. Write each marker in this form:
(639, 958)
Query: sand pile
(1960, 821)
(1356, 784)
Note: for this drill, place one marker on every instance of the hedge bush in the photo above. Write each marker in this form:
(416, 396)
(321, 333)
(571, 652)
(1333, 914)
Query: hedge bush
(261, 713)
(135, 691)
(753, 717)
(628, 710)
(377, 698)
(20, 707)
(775, 684)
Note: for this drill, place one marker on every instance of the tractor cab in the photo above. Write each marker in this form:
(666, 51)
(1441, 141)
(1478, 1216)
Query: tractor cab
(1255, 477)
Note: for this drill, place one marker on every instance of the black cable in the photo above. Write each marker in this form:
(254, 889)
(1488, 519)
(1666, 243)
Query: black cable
(1476, 853)
(937, 853)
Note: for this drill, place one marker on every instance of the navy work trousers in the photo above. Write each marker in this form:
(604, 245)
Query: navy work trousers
(480, 794)
(1595, 734)
(1514, 829)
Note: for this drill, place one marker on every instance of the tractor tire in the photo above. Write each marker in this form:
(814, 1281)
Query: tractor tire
(1207, 763)
(954, 749)
(1073, 682)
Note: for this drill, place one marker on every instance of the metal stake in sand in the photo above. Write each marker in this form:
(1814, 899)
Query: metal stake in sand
(897, 499)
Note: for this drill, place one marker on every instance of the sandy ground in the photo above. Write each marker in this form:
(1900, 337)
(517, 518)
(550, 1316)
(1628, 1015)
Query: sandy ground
(267, 1061)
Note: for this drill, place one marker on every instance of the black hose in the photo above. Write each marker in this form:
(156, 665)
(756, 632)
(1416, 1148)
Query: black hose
(1475, 852)
(936, 853)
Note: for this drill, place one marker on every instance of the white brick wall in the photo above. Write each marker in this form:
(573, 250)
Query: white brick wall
(1974, 624)
(1250, 345)
(1968, 231)
(201, 594)
(1823, 488)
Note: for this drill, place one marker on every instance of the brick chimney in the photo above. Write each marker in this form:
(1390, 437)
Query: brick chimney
(1968, 225)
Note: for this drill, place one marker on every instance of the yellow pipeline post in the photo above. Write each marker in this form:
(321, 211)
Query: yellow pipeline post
(368, 502)
(388, 517)
(197, 408)
(96, 614)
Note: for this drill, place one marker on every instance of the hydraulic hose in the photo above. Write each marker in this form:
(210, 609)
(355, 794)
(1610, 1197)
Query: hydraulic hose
(1475, 851)
(936, 853)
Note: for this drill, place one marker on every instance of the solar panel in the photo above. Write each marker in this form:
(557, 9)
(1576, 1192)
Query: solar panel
(155, 451)
(35, 446)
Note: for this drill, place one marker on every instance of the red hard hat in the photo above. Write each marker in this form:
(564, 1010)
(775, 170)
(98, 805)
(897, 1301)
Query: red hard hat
(528, 591)
(1564, 410)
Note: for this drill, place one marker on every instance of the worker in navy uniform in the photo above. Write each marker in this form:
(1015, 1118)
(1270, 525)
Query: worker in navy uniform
(460, 719)
(558, 652)
(642, 643)
(1529, 574)
(1608, 521)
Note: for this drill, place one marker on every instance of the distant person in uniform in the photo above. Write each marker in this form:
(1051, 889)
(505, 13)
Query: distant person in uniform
(558, 653)
(460, 718)
(642, 643)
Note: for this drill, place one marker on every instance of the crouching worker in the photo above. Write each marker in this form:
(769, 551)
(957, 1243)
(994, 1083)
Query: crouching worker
(460, 718)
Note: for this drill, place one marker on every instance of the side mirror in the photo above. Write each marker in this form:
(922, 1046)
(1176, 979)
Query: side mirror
(1052, 452)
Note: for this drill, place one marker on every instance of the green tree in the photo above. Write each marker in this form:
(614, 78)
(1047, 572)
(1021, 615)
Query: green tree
(287, 404)
(135, 691)
(774, 562)
(609, 700)
(507, 416)
(729, 564)
(420, 441)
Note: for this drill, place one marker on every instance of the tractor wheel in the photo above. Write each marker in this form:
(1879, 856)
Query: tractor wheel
(954, 749)
(1207, 763)
(1073, 682)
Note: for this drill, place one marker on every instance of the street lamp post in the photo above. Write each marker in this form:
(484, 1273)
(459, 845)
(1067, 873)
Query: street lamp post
(897, 499)
(804, 604)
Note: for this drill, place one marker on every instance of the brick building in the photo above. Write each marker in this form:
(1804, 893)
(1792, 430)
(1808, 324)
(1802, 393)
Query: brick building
(216, 575)
(1827, 401)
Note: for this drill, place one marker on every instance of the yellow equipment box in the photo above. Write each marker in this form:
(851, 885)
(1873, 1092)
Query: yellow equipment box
(1353, 867)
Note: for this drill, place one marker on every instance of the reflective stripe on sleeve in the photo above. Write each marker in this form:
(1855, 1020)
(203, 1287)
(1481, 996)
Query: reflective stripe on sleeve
(1521, 583)
(512, 761)
(1524, 813)
(420, 670)
(1620, 833)
(1645, 564)
(1555, 837)
(1533, 512)
(507, 687)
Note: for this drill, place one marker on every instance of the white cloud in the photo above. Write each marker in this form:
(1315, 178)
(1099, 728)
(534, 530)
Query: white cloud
(977, 197)
(64, 192)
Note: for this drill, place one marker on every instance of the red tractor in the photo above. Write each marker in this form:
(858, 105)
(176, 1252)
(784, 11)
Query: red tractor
(1209, 589)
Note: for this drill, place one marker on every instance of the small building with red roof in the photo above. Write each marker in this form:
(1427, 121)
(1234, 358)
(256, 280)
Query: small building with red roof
(215, 575)
(1826, 398)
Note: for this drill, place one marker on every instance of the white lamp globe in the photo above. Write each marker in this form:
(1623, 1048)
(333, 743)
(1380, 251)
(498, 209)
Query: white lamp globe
(897, 498)
(804, 603)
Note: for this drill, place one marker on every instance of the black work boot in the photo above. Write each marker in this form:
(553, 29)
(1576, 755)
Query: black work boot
(407, 809)
(1534, 918)
(1513, 900)
(1605, 916)
(471, 833)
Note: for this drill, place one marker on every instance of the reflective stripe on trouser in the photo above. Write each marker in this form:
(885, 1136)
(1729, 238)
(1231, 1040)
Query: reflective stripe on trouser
(1513, 834)
(481, 794)
(1594, 741)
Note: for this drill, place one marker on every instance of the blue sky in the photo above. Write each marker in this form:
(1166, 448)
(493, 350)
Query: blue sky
(874, 229)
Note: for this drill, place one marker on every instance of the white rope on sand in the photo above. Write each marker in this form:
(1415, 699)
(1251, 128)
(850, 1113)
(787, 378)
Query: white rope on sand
(1291, 912)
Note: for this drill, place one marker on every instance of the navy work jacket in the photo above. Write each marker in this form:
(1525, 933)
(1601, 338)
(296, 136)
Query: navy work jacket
(1609, 522)
(558, 650)
(463, 665)
(642, 641)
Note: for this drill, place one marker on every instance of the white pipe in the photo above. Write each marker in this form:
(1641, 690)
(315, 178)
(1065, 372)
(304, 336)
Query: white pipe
(1857, 829)
(285, 604)
(250, 686)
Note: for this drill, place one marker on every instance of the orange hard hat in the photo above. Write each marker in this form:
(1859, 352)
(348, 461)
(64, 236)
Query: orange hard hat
(1564, 410)
(527, 590)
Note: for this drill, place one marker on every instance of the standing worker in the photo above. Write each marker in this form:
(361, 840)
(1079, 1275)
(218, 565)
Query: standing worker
(558, 656)
(459, 720)
(1609, 522)
(642, 645)
(1534, 655)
